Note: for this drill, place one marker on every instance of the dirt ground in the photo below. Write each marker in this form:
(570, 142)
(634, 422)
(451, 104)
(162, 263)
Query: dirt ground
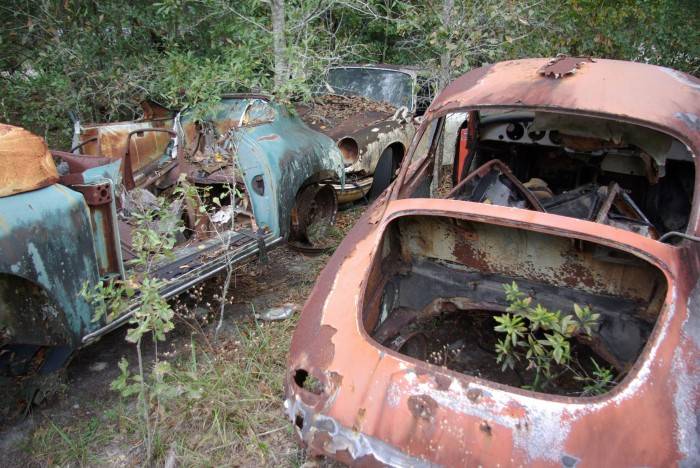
(227, 408)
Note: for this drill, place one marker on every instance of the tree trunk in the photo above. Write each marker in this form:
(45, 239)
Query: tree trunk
(279, 43)
(446, 56)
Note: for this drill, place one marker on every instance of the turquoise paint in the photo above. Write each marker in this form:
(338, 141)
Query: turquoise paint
(38, 263)
(46, 238)
(46, 235)
(111, 171)
(281, 148)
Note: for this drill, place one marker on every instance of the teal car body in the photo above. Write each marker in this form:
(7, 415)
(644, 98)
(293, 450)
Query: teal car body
(55, 239)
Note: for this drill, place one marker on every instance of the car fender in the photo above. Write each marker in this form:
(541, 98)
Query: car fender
(289, 156)
(46, 240)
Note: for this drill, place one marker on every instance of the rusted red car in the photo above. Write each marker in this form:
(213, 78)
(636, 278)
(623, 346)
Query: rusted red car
(575, 179)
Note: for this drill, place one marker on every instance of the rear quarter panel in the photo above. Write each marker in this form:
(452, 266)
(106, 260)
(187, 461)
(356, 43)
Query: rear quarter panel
(289, 155)
(46, 239)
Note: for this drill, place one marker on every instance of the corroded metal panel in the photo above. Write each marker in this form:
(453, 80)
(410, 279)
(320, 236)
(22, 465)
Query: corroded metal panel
(46, 238)
(360, 402)
(440, 417)
(272, 145)
(25, 162)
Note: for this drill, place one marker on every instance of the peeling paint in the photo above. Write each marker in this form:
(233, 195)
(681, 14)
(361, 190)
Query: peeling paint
(650, 418)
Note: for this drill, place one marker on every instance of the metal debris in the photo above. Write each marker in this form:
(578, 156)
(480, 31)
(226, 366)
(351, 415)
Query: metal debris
(278, 313)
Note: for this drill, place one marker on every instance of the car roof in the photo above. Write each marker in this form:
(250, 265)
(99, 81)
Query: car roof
(651, 95)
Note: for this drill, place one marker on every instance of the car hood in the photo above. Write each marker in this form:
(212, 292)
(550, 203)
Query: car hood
(339, 116)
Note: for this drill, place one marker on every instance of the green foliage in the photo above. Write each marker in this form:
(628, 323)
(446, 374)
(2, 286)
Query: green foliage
(154, 314)
(72, 444)
(155, 232)
(660, 32)
(98, 60)
(153, 239)
(108, 298)
(126, 383)
(601, 381)
(542, 338)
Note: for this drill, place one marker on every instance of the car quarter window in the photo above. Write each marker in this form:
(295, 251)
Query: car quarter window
(418, 180)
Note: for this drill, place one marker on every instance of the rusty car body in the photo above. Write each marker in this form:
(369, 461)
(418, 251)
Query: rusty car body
(146, 140)
(72, 223)
(577, 179)
(369, 111)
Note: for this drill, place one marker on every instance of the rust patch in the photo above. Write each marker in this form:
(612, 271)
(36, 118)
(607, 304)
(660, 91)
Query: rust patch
(485, 427)
(324, 345)
(563, 66)
(443, 382)
(422, 407)
(359, 419)
(474, 395)
(25, 161)
(337, 115)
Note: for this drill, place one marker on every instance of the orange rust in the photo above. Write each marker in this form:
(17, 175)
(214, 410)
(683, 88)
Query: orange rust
(111, 140)
(433, 415)
(25, 161)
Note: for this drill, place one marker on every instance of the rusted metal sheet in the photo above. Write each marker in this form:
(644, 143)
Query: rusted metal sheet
(661, 98)
(369, 125)
(271, 155)
(140, 139)
(355, 399)
(99, 198)
(25, 162)
(563, 66)
(475, 421)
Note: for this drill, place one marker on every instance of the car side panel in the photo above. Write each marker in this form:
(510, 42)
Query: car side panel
(46, 239)
(289, 155)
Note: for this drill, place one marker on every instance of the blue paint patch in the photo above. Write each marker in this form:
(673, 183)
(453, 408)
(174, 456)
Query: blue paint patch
(38, 263)
(282, 148)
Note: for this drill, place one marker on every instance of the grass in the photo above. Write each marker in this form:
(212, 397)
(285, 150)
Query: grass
(69, 445)
(230, 400)
(223, 401)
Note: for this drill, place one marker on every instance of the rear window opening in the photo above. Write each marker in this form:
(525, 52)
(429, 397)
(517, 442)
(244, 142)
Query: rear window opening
(438, 290)
(606, 171)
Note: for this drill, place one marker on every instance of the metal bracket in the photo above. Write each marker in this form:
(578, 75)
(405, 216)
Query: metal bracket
(95, 194)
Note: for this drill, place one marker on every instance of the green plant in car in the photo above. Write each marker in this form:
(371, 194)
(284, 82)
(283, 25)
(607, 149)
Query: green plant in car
(542, 339)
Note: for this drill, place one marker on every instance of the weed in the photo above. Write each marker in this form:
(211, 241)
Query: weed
(219, 401)
(542, 338)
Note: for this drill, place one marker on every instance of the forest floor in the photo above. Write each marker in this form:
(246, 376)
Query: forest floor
(221, 399)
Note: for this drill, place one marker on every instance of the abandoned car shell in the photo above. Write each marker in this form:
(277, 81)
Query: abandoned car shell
(366, 403)
(370, 119)
(70, 225)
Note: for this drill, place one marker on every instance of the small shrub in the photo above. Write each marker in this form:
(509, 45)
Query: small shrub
(542, 339)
